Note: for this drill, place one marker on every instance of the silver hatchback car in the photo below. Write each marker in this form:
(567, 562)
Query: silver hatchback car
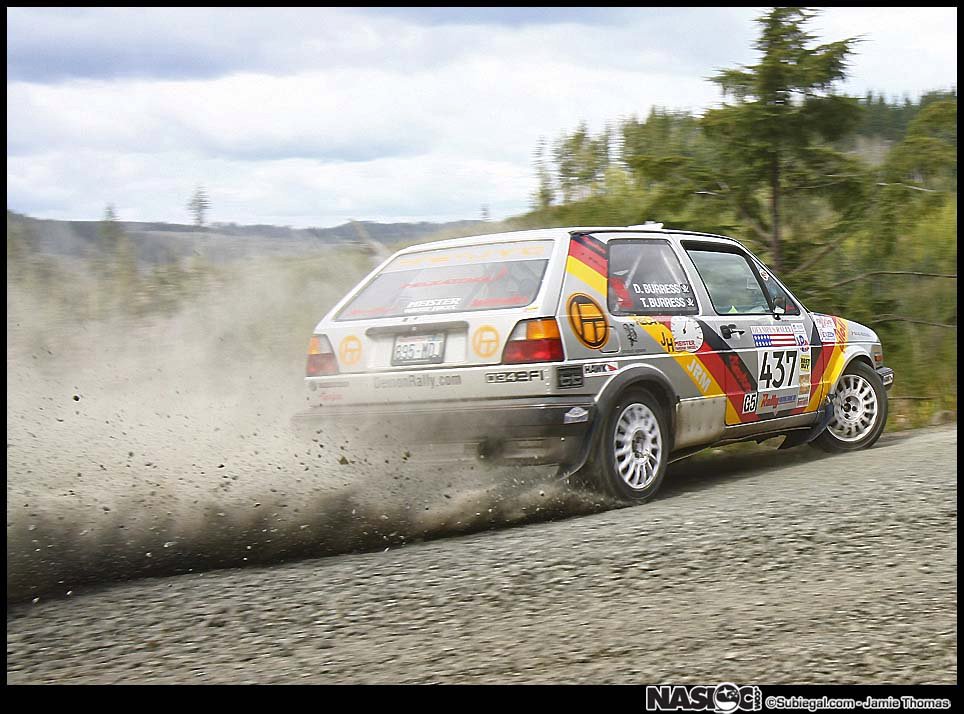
(608, 351)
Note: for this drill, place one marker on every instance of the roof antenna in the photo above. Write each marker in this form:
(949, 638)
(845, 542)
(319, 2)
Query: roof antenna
(649, 225)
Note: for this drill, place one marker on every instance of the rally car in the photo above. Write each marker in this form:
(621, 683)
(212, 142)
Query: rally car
(608, 351)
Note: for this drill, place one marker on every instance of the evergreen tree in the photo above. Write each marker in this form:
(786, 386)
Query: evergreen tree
(783, 106)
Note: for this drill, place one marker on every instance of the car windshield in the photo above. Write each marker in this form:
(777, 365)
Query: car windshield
(453, 280)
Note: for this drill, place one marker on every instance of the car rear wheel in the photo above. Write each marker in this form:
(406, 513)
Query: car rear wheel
(859, 411)
(630, 456)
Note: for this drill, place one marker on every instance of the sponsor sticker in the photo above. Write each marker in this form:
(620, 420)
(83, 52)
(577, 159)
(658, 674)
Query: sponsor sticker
(632, 336)
(588, 321)
(428, 381)
(473, 255)
(435, 305)
(485, 341)
(826, 328)
(350, 351)
(772, 402)
(774, 336)
(700, 377)
(591, 369)
(687, 334)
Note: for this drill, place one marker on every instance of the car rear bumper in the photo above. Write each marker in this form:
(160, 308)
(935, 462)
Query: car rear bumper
(533, 430)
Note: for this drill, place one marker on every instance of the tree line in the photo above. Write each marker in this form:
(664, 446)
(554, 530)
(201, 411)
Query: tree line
(851, 200)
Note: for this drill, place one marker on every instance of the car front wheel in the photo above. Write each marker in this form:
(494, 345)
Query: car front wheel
(630, 457)
(859, 411)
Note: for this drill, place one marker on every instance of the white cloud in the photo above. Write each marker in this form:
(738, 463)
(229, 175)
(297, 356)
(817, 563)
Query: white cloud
(325, 115)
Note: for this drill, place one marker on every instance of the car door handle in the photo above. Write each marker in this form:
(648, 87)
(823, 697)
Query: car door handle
(730, 330)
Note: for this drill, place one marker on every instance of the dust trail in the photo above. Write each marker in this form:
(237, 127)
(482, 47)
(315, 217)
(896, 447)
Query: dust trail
(162, 445)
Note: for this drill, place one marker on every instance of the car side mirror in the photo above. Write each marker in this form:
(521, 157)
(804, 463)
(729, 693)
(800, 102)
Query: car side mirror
(779, 305)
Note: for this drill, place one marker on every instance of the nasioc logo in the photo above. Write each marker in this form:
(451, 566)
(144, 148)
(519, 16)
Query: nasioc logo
(725, 698)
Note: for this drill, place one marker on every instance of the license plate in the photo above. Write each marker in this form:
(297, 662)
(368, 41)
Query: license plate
(418, 349)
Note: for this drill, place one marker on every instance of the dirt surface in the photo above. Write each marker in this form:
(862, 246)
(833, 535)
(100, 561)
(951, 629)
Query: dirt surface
(760, 567)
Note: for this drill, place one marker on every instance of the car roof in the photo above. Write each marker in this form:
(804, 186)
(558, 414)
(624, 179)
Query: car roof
(559, 234)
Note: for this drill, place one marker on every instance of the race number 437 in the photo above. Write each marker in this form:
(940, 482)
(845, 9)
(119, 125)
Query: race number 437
(778, 368)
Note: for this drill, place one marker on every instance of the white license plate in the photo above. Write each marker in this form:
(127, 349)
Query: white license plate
(418, 349)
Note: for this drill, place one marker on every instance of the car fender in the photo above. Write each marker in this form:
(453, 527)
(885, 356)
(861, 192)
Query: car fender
(846, 357)
(637, 374)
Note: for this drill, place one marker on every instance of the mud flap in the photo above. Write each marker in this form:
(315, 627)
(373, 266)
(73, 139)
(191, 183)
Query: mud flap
(798, 438)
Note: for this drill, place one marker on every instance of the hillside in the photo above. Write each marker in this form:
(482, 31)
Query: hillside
(160, 243)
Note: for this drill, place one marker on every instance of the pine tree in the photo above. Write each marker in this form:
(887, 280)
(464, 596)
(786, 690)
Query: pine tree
(783, 106)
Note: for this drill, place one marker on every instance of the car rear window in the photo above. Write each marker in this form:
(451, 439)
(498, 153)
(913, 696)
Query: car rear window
(483, 277)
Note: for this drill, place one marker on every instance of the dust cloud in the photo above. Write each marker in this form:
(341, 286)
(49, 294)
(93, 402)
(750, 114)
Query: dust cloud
(158, 445)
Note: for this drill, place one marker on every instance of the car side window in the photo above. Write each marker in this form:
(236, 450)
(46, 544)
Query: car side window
(730, 281)
(776, 290)
(646, 278)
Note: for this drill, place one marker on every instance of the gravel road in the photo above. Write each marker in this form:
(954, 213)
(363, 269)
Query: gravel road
(762, 567)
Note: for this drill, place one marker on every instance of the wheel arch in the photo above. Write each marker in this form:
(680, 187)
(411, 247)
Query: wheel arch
(652, 380)
(639, 375)
(852, 354)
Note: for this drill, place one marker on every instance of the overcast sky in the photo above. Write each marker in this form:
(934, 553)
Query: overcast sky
(313, 117)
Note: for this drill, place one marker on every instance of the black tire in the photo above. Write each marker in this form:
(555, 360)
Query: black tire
(602, 473)
(833, 438)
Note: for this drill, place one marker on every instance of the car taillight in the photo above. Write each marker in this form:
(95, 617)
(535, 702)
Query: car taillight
(533, 341)
(321, 358)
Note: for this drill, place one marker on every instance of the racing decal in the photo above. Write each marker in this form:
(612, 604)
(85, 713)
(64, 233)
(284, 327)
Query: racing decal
(661, 332)
(588, 320)
(632, 337)
(435, 305)
(724, 361)
(591, 369)
(704, 368)
(485, 341)
(779, 335)
(425, 381)
(774, 402)
(687, 334)
(834, 358)
(588, 261)
(778, 369)
(350, 351)
(749, 403)
(473, 255)
(825, 328)
(673, 296)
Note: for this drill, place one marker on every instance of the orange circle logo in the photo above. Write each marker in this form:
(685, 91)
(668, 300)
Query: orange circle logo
(485, 341)
(588, 321)
(350, 350)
